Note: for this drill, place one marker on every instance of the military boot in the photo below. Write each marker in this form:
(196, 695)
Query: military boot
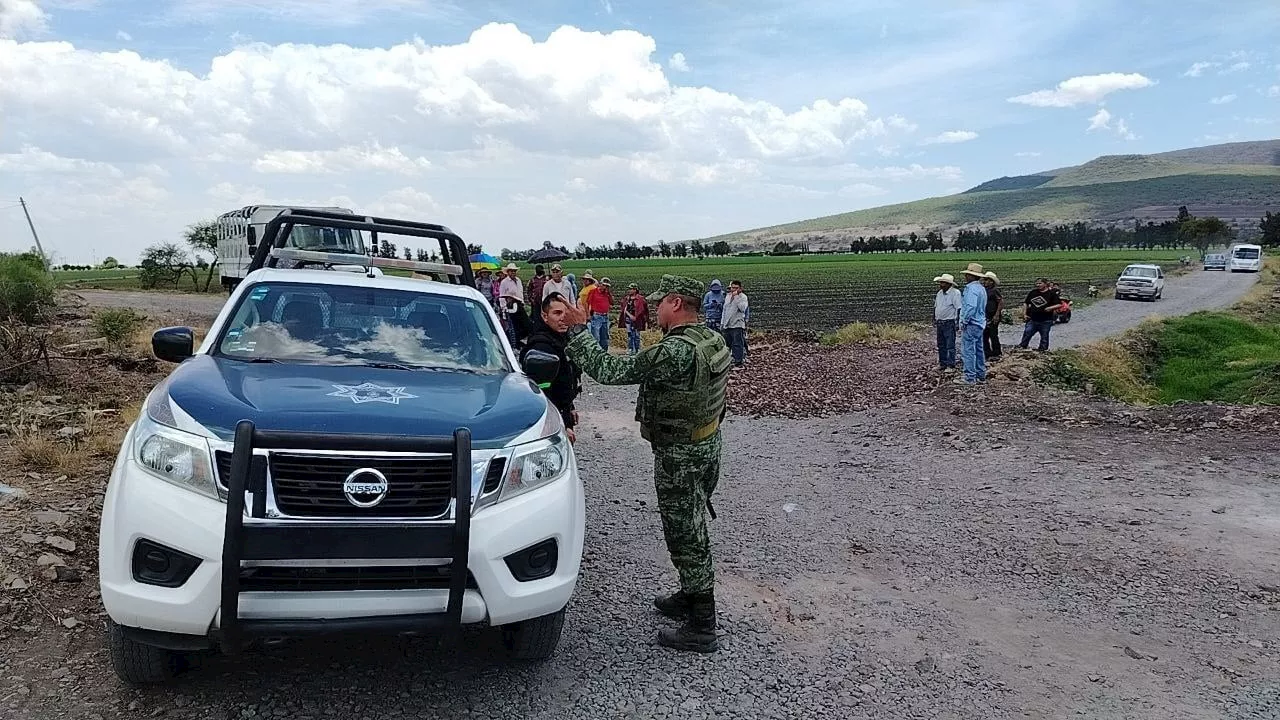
(698, 633)
(675, 605)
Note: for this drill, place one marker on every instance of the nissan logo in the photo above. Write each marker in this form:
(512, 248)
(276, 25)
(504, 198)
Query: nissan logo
(365, 488)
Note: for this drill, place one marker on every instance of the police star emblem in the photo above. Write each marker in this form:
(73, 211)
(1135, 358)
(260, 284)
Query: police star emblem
(368, 392)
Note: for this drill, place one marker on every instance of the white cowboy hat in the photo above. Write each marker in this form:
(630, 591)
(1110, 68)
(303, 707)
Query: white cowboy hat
(511, 266)
(946, 278)
(991, 274)
(975, 270)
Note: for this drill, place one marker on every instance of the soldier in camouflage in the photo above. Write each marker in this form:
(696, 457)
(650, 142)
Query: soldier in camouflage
(681, 402)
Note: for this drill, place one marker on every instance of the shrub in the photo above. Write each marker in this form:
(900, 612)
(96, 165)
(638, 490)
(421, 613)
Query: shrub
(118, 326)
(26, 290)
(868, 333)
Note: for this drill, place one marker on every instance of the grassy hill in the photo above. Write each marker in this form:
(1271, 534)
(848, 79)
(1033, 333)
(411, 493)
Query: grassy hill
(1233, 181)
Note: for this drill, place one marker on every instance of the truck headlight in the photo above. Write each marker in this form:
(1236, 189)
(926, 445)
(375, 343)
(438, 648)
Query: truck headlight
(535, 464)
(174, 456)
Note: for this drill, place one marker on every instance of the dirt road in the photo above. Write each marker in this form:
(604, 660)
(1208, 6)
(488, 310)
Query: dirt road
(1185, 294)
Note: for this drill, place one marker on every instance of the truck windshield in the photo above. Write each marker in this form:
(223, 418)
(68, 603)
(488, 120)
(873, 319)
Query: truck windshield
(341, 325)
(306, 237)
(1247, 253)
(1140, 272)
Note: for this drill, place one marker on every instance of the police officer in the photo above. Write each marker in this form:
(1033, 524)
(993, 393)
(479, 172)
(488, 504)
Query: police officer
(681, 402)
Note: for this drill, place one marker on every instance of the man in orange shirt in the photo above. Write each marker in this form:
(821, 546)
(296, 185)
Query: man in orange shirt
(599, 303)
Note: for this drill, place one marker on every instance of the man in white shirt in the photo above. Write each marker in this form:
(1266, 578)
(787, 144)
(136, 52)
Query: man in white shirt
(559, 283)
(511, 305)
(733, 322)
(946, 313)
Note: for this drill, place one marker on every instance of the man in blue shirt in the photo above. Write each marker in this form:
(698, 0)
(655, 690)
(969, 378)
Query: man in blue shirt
(713, 305)
(973, 322)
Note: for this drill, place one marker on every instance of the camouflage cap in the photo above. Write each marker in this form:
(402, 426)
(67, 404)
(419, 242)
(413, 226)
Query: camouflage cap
(677, 285)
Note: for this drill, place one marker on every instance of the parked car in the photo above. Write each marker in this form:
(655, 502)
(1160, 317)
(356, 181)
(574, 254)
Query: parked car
(1215, 261)
(1141, 281)
(345, 452)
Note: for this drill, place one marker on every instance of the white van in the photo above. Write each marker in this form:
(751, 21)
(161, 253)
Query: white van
(1245, 258)
(240, 230)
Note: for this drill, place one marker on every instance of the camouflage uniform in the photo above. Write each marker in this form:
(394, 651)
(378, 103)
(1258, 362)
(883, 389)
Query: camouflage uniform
(680, 404)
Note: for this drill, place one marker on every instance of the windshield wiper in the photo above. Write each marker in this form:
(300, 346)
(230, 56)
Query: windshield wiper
(385, 365)
(260, 360)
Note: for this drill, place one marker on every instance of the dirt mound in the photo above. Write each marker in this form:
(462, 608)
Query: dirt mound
(787, 378)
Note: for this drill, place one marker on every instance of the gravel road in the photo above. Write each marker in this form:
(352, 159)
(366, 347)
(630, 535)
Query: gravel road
(1185, 294)
(914, 561)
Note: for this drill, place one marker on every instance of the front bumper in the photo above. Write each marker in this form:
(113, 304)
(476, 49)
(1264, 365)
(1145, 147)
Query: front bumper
(139, 506)
(1136, 290)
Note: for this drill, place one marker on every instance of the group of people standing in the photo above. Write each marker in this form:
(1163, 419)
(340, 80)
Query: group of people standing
(973, 315)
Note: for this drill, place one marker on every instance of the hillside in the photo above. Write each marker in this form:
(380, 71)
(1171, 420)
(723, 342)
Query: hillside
(1235, 181)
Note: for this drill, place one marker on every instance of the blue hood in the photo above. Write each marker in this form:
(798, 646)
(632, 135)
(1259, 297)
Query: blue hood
(218, 393)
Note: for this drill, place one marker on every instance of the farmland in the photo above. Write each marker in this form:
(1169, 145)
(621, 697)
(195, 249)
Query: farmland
(822, 292)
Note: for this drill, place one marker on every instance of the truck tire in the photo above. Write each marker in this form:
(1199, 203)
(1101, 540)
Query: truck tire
(139, 664)
(535, 638)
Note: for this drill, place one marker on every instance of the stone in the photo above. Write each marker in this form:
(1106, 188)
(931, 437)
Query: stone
(61, 543)
(16, 583)
(60, 673)
(29, 539)
(71, 623)
(10, 494)
(67, 433)
(46, 559)
(51, 517)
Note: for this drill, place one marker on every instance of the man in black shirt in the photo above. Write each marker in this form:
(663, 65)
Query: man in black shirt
(995, 308)
(1040, 306)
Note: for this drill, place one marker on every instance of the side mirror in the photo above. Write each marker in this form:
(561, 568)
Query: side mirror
(541, 367)
(173, 344)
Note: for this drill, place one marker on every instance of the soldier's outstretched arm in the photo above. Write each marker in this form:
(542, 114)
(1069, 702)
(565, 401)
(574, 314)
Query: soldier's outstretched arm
(657, 363)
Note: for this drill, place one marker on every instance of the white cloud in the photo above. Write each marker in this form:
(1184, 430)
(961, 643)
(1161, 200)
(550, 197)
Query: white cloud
(21, 17)
(122, 35)
(345, 159)
(950, 137)
(1197, 69)
(1083, 90)
(1273, 91)
(678, 63)
(33, 160)
(1223, 100)
(1027, 154)
(1236, 67)
(606, 6)
(1100, 121)
(134, 135)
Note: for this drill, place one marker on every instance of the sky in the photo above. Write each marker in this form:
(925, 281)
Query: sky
(122, 122)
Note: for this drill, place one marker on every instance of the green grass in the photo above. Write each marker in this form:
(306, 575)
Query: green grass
(1218, 357)
(1227, 357)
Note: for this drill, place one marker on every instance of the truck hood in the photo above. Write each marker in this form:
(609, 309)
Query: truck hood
(217, 393)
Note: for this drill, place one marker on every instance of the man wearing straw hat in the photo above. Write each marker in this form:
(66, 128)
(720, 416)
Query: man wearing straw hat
(973, 324)
(946, 312)
(995, 308)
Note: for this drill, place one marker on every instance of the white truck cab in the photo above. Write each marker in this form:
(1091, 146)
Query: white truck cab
(343, 453)
(239, 232)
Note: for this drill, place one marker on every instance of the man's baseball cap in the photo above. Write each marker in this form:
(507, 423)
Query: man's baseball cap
(677, 285)
(605, 281)
(556, 267)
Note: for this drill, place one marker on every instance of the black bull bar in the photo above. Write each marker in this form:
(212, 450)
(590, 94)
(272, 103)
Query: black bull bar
(325, 540)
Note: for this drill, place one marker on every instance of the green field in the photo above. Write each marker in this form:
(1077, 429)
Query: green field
(821, 292)
(824, 291)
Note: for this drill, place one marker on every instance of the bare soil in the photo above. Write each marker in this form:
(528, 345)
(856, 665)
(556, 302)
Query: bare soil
(921, 551)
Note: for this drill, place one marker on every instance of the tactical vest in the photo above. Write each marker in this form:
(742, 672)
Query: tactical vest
(691, 412)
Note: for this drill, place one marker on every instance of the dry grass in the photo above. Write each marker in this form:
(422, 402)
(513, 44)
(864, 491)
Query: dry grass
(860, 333)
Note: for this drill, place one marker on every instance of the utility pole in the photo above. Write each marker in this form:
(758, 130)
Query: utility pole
(43, 258)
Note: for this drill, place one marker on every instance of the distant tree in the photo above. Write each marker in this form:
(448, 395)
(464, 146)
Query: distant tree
(202, 238)
(1270, 227)
(408, 253)
(1201, 233)
(474, 249)
(1184, 215)
(164, 264)
(110, 263)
